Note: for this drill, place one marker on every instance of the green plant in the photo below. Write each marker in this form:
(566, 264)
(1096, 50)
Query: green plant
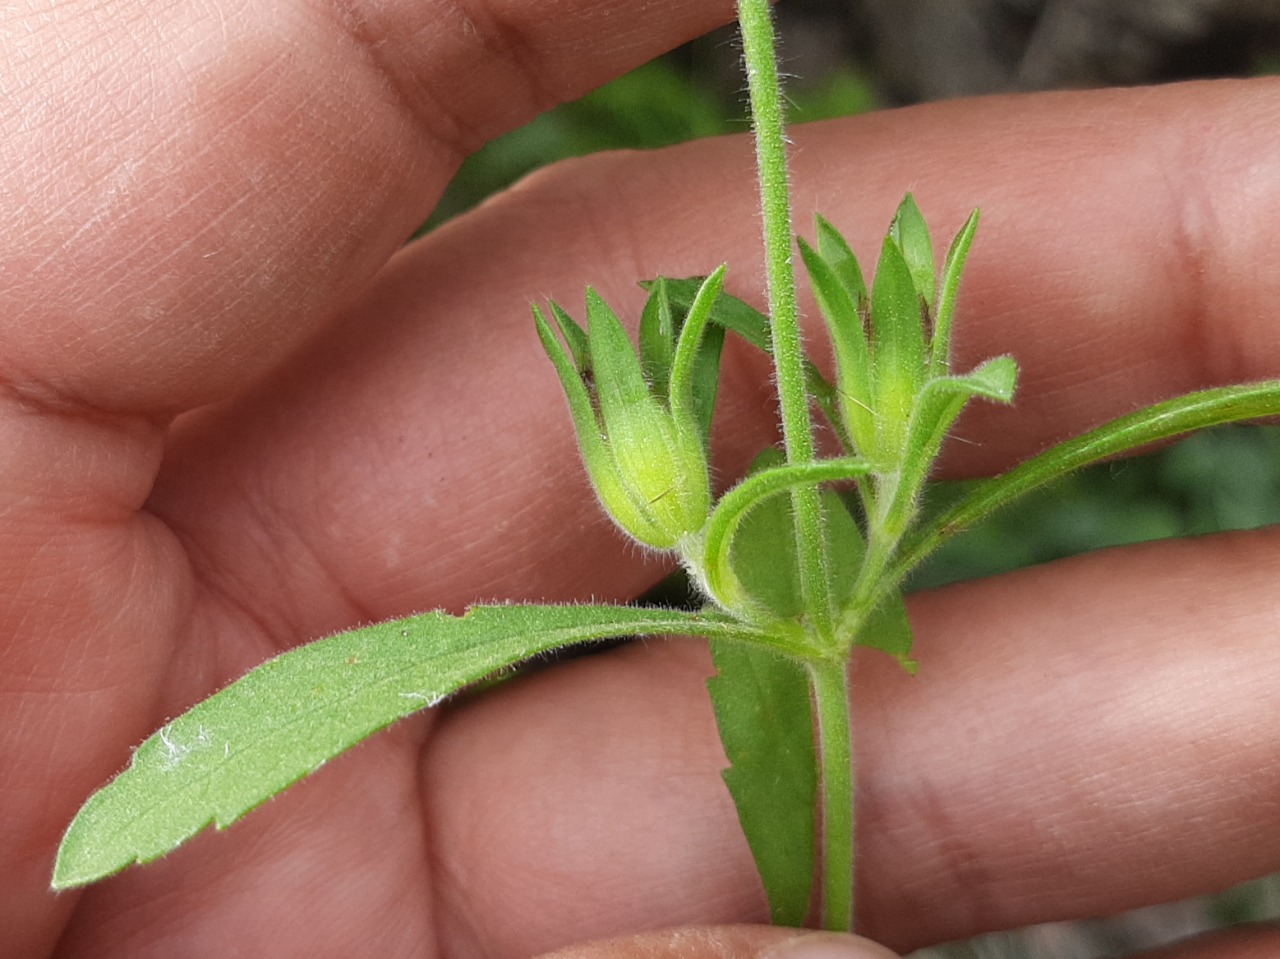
(795, 572)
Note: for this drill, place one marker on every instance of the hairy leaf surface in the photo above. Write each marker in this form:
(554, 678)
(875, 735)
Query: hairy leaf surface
(293, 713)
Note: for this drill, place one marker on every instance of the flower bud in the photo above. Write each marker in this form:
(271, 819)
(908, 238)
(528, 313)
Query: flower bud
(648, 466)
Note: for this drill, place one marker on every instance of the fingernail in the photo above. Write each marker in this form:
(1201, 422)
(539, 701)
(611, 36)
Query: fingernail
(829, 945)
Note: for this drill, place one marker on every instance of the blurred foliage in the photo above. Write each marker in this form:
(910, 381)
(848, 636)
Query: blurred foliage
(660, 104)
(653, 106)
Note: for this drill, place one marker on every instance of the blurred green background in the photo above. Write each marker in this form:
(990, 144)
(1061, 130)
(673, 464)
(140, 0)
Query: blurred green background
(1220, 480)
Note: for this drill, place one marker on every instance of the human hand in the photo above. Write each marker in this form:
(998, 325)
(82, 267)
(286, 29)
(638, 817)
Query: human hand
(224, 435)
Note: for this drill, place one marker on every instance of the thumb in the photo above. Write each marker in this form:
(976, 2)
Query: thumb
(730, 942)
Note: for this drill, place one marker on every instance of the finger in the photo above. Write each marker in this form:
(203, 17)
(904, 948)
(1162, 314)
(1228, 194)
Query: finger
(1117, 761)
(1082, 738)
(198, 185)
(1258, 942)
(188, 191)
(731, 942)
(1116, 260)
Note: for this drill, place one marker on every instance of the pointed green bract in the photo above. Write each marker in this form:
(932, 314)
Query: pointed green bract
(621, 387)
(293, 713)
(688, 375)
(575, 338)
(761, 702)
(941, 402)
(835, 251)
(657, 339)
(911, 235)
(898, 346)
(854, 377)
(952, 269)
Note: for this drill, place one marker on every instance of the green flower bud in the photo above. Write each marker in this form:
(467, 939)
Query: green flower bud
(662, 475)
(644, 451)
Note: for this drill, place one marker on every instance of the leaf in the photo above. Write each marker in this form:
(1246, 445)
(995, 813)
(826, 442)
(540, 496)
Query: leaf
(762, 706)
(728, 311)
(888, 630)
(1183, 414)
(289, 716)
(911, 234)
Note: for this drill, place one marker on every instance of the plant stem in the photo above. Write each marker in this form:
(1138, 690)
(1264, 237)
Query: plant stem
(829, 679)
(788, 352)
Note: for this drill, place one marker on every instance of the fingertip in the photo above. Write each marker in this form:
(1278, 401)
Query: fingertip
(827, 945)
(730, 942)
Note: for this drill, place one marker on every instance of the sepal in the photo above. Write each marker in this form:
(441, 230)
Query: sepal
(643, 417)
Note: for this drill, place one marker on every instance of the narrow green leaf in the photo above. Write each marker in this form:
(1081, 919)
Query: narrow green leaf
(911, 234)
(657, 336)
(898, 344)
(1183, 414)
(952, 269)
(286, 718)
(836, 252)
(763, 710)
(854, 370)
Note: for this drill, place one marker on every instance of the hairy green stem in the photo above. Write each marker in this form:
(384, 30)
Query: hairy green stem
(829, 680)
(788, 352)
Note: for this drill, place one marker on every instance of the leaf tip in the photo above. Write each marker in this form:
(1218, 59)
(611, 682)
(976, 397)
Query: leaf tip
(80, 860)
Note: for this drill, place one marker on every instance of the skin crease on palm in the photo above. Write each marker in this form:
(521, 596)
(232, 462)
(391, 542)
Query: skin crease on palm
(236, 415)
